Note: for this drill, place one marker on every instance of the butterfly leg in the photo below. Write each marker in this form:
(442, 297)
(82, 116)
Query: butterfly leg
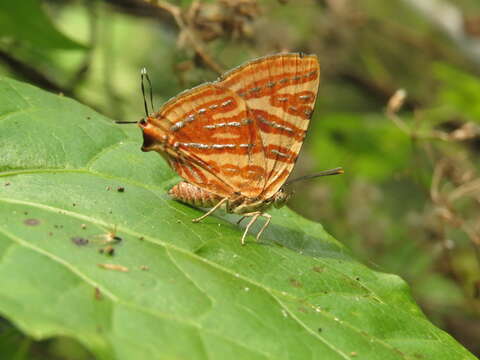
(268, 217)
(240, 220)
(254, 216)
(220, 203)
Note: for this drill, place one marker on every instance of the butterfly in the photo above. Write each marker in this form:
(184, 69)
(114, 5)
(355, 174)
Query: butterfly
(235, 141)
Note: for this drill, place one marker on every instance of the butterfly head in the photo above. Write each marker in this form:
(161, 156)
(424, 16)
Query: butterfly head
(148, 138)
(153, 139)
(281, 197)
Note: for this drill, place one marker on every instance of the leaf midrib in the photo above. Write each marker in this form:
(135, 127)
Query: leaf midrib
(269, 291)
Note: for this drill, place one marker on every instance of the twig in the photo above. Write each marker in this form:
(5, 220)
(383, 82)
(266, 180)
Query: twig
(395, 103)
(444, 207)
(435, 185)
(468, 188)
(176, 13)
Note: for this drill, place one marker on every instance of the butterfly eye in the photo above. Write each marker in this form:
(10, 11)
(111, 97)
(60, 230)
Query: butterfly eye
(149, 139)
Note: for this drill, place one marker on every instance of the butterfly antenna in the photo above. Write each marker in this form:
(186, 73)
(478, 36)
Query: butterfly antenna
(143, 75)
(151, 91)
(336, 171)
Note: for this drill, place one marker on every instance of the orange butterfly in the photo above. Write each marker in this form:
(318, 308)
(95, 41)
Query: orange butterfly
(235, 141)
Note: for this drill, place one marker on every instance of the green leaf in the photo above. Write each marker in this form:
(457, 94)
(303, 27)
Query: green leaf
(191, 290)
(26, 21)
(367, 145)
(459, 93)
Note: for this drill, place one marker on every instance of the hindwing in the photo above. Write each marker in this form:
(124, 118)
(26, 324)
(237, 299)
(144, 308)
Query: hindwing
(280, 92)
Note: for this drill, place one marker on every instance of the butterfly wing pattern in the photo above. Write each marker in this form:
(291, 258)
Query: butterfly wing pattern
(280, 92)
(235, 141)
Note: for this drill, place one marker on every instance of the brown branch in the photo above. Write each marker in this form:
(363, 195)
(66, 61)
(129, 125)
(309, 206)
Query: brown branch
(184, 27)
(142, 8)
(443, 202)
(395, 103)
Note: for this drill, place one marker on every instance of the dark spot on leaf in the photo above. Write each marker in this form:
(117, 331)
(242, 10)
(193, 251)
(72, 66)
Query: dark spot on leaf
(141, 238)
(107, 250)
(357, 278)
(295, 283)
(83, 226)
(117, 238)
(318, 269)
(144, 267)
(74, 204)
(320, 329)
(50, 233)
(25, 213)
(88, 117)
(121, 189)
(399, 352)
(98, 294)
(31, 222)
(79, 241)
(7, 183)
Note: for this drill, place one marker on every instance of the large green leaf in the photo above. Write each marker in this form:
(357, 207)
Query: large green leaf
(192, 291)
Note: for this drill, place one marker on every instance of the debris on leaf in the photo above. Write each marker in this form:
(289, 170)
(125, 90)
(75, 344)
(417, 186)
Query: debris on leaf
(79, 241)
(31, 222)
(98, 294)
(114, 267)
(108, 250)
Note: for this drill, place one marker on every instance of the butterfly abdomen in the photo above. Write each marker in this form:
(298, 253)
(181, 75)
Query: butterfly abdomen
(193, 195)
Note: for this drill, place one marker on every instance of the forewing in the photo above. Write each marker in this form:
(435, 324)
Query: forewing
(211, 140)
(280, 91)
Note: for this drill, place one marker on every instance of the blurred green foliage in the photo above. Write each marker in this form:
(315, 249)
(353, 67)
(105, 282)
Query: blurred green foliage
(408, 203)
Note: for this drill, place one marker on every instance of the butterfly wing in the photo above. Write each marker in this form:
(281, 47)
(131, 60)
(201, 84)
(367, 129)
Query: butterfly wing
(210, 138)
(280, 92)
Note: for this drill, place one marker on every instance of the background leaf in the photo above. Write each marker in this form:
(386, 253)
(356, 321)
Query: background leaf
(191, 290)
(36, 29)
